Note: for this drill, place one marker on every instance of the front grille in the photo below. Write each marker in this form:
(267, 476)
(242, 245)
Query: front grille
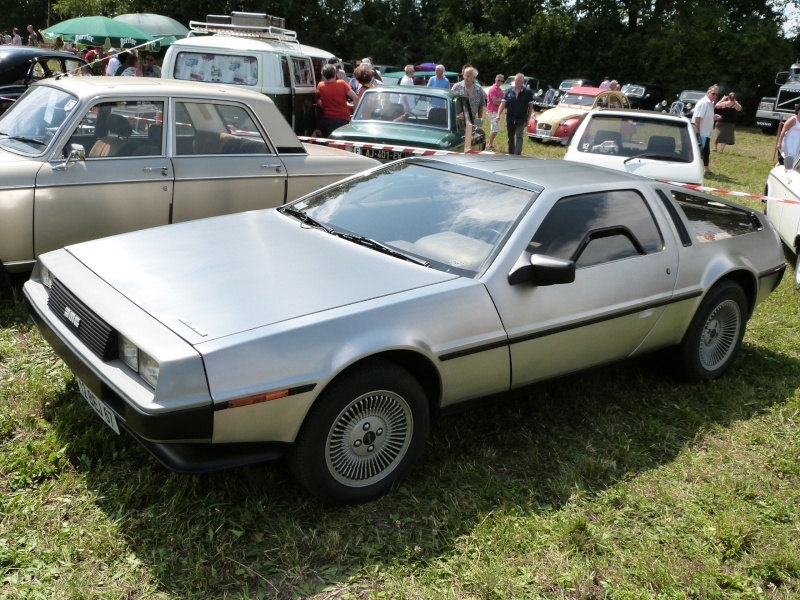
(90, 329)
(787, 99)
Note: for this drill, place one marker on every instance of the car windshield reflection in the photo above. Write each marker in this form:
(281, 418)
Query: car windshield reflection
(415, 109)
(32, 121)
(452, 222)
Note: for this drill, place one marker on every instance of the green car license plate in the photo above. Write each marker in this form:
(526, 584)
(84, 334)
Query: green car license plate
(99, 407)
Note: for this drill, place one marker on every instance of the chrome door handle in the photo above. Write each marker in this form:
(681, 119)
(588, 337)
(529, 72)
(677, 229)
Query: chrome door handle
(276, 167)
(163, 170)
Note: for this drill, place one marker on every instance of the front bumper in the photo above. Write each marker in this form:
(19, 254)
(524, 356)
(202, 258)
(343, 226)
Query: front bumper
(180, 439)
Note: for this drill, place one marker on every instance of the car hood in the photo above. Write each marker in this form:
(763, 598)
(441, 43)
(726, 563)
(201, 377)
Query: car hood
(394, 133)
(217, 277)
(553, 116)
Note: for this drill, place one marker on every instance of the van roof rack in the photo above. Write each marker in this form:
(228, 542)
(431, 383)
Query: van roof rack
(244, 24)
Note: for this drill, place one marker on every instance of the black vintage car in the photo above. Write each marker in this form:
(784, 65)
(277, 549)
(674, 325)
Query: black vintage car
(20, 66)
(644, 96)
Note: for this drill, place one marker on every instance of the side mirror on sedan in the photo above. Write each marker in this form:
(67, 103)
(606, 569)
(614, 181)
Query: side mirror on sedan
(76, 152)
(542, 270)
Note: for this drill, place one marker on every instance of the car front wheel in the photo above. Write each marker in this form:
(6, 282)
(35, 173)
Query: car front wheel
(714, 335)
(363, 434)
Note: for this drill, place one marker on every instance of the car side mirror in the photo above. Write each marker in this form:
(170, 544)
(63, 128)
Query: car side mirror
(542, 270)
(76, 152)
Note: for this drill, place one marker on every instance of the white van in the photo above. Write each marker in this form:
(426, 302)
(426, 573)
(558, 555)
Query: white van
(246, 50)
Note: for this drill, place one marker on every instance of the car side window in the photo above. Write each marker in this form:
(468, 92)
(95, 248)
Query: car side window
(597, 228)
(462, 112)
(210, 128)
(121, 129)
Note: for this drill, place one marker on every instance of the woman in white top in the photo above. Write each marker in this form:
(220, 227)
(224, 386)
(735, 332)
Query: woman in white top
(789, 139)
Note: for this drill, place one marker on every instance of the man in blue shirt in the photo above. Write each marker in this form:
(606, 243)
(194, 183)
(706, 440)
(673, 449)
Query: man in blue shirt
(439, 80)
(518, 102)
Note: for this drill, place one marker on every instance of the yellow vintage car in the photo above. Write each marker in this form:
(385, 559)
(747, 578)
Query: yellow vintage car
(559, 122)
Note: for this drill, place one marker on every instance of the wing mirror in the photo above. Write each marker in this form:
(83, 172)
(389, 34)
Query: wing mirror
(542, 270)
(76, 152)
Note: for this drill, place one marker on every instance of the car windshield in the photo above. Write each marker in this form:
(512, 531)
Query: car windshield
(637, 136)
(403, 107)
(31, 123)
(577, 99)
(452, 222)
(633, 90)
(691, 96)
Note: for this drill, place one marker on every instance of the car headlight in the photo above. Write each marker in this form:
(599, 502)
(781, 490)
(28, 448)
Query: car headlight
(47, 279)
(137, 360)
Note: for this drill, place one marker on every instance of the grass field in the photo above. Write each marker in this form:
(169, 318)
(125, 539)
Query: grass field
(618, 484)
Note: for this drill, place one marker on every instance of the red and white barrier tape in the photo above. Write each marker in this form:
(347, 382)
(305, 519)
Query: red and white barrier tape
(344, 145)
(702, 188)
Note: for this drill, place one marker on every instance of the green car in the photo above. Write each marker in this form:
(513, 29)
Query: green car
(410, 117)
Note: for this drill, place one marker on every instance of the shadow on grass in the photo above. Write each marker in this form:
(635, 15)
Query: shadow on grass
(255, 529)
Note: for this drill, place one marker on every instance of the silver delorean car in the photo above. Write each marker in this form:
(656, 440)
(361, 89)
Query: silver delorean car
(332, 329)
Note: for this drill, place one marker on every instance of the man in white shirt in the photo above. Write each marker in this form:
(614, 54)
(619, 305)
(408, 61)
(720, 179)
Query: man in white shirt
(703, 119)
(113, 63)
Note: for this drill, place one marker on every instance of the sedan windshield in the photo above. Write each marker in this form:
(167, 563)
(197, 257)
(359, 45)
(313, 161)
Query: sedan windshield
(33, 120)
(444, 220)
(577, 99)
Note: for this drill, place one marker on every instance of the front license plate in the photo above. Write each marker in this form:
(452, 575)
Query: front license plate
(544, 133)
(99, 407)
(382, 154)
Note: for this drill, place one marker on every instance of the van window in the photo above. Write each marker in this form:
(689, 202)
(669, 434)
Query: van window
(303, 72)
(217, 68)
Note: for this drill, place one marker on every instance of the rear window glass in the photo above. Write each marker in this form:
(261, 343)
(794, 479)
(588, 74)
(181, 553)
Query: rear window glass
(635, 135)
(712, 220)
(217, 68)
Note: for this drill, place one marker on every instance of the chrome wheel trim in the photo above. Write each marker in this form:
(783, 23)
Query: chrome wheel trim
(719, 335)
(369, 438)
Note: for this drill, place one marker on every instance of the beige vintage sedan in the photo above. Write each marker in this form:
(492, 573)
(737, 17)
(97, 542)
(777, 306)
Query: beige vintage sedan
(83, 158)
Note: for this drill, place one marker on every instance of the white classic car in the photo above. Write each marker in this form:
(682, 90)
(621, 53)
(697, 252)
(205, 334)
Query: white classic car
(333, 328)
(659, 146)
(87, 157)
(783, 208)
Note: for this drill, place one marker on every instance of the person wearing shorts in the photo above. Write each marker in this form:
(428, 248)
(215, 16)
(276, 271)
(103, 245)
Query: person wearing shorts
(493, 98)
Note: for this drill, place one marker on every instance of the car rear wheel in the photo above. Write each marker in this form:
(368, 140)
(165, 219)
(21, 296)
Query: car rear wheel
(714, 335)
(363, 434)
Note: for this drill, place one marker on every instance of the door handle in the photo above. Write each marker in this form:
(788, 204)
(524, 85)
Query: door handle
(162, 169)
(276, 167)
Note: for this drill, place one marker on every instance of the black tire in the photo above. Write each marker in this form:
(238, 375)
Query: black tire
(362, 435)
(714, 335)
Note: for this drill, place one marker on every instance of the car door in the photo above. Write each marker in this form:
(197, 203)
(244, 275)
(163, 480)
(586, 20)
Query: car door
(124, 183)
(223, 161)
(789, 223)
(625, 275)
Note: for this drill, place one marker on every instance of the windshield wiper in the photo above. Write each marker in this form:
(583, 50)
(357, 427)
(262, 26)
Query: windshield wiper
(655, 157)
(304, 218)
(350, 237)
(22, 138)
(376, 245)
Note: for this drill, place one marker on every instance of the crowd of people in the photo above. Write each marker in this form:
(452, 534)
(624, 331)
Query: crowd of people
(124, 63)
(15, 39)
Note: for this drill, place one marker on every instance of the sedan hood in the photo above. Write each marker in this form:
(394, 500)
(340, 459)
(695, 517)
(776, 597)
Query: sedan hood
(217, 277)
(393, 133)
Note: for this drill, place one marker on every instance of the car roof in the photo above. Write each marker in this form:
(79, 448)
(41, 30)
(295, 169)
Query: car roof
(586, 91)
(533, 173)
(229, 42)
(88, 88)
(18, 54)
(416, 89)
(638, 114)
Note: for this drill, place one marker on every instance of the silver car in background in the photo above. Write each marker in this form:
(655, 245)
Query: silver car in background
(332, 329)
(88, 157)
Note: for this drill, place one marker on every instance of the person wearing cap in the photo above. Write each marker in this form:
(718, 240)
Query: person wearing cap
(337, 64)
